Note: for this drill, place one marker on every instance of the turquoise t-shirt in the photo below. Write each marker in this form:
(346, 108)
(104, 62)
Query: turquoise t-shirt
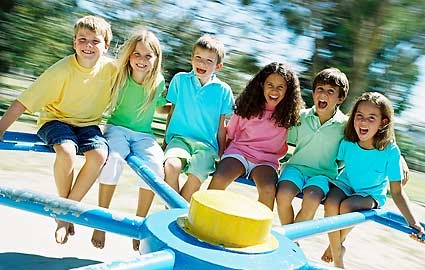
(130, 99)
(197, 108)
(316, 144)
(368, 171)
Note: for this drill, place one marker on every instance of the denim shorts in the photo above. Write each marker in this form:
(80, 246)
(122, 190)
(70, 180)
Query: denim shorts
(84, 138)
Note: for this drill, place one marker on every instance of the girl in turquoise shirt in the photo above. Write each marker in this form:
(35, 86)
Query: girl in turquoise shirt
(372, 160)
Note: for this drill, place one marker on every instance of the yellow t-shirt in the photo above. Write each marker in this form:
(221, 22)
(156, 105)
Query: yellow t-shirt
(71, 93)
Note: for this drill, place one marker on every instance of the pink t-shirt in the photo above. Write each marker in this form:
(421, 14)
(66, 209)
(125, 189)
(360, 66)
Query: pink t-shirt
(260, 141)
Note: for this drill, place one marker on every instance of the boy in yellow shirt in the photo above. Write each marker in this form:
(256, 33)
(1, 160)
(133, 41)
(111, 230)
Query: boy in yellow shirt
(72, 95)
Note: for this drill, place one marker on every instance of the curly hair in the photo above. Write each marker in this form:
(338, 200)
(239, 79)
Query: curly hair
(251, 101)
(385, 135)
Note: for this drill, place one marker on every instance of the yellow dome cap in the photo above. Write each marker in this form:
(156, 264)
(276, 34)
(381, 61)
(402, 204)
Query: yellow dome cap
(230, 220)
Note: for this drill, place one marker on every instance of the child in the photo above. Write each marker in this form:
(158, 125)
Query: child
(139, 85)
(195, 133)
(317, 138)
(370, 156)
(269, 105)
(73, 94)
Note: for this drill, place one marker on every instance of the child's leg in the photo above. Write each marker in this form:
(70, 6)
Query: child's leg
(286, 192)
(331, 206)
(192, 185)
(63, 170)
(95, 159)
(104, 199)
(351, 204)
(152, 155)
(144, 203)
(172, 169)
(312, 196)
(228, 170)
(265, 178)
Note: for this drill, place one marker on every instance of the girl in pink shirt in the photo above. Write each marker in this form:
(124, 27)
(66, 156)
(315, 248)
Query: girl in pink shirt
(256, 133)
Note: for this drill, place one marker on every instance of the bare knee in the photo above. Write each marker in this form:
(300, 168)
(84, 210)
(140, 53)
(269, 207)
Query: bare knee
(286, 192)
(313, 195)
(267, 189)
(173, 164)
(96, 157)
(65, 152)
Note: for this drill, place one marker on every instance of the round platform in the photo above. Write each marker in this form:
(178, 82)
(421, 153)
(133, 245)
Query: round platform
(163, 232)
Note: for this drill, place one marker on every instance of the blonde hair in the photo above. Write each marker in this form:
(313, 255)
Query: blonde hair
(211, 43)
(95, 24)
(152, 79)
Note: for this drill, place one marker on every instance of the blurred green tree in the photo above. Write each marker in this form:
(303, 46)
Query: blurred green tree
(375, 42)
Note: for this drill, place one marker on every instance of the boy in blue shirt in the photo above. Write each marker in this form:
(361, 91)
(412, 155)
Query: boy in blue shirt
(195, 134)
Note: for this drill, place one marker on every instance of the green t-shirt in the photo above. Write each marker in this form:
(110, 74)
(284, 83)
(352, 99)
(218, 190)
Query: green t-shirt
(317, 145)
(130, 99)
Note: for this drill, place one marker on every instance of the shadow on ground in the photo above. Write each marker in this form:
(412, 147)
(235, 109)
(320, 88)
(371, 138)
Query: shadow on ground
(20, 261)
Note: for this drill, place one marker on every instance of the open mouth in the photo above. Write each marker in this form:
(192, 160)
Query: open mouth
(363, 131)
(200, 71)
(87, 52)
(273, 98)
(322, 104)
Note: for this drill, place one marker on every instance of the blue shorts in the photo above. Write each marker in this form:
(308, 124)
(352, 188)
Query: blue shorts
(292, 174)
(84, 138)
(380, 199)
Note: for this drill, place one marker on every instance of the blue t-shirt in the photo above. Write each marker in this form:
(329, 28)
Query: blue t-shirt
(367, 172)
(197, 108)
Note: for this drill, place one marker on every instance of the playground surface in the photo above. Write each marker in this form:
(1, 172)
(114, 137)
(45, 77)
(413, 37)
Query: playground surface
(27, 240)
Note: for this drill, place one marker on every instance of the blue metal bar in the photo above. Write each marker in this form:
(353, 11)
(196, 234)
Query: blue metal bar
(72, 211)
(30, 142)
(21, 137)
(167, 193)
(159, 260)
(25, 147)
(323, 225)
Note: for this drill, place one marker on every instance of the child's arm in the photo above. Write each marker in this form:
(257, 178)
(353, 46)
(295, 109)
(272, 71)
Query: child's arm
(15, 110)
(171, 110)
(405, 171)
(166, 109)
(221, 135)
(402, 202)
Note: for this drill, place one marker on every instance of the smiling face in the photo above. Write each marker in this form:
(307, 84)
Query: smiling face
(367, 122)
(204, 64)
(88, 47)
(274, 89)
(326, 99)
(142, 61)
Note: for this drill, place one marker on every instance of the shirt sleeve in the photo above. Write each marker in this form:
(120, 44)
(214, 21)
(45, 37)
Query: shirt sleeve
(172, 90)
(161, 100)
(292, 135)
(232, 126)
(229, 102)
(395, 170)
(44, 90)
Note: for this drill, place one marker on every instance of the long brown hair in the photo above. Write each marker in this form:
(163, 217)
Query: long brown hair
(385, 135)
